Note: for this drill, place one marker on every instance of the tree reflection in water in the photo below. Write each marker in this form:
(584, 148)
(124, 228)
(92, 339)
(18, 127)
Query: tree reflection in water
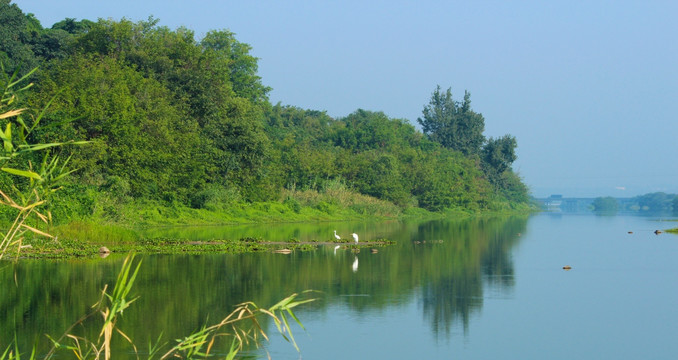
(448, 262)
(475, 255)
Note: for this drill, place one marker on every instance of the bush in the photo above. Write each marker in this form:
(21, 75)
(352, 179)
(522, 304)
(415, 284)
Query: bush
(293, 204)
(215, 198)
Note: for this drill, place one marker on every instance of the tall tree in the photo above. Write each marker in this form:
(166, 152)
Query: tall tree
(497, 157)
(137, 133)
(500, 153)
(453, 124)
(16, 34)
(242, 66)
(71, 26)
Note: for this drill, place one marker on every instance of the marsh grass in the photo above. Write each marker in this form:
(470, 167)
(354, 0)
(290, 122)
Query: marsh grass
(335, 197)
(90, 232)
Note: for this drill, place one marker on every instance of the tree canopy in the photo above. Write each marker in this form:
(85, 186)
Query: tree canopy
(453, 124)
(173, 118)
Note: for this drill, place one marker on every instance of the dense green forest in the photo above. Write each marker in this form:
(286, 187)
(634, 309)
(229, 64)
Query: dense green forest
(173, 121)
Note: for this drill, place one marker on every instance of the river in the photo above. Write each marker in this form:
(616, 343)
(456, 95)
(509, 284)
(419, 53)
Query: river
(466, 289)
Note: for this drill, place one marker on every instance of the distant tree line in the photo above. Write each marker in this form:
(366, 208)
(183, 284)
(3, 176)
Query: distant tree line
(657, 202)
(188, 121)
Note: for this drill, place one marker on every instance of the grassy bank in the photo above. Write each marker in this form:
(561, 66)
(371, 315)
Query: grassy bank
(116, 225)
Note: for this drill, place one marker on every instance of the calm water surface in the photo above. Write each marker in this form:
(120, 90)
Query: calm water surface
(471, 289)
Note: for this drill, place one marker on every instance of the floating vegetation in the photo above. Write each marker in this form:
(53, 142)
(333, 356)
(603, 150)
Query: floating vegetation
(75, 248)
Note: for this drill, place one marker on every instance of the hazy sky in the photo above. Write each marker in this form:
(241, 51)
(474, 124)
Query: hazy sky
(589, 88)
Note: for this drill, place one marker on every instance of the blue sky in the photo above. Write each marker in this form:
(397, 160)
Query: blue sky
(589, 88)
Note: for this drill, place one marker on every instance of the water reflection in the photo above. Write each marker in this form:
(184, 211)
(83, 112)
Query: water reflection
(447, 265)
(473, 255)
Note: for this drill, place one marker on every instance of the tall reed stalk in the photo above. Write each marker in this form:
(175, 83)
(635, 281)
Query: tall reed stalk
(34, 183)
(12, 238)
(242, 326)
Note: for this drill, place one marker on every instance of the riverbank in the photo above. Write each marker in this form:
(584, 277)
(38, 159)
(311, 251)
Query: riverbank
(126, 227)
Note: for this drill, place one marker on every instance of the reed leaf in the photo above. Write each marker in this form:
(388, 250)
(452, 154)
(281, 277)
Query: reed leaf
(36, 231)
(11, 82)
(11, 113)
(25, 173)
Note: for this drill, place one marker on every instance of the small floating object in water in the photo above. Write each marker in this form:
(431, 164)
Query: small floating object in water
(657, 232)
(374, 251)
(104, 252)
(282, 251)
(630, 232)
(567, 267)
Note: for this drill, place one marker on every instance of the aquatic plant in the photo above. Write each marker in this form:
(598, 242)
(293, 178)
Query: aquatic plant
(242, 327)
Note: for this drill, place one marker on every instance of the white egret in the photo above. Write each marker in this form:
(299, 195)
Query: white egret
(355, 237)
(336, 236)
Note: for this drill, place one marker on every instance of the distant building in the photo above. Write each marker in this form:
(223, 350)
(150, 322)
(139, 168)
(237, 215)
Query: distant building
(558, 203)
(553, 202)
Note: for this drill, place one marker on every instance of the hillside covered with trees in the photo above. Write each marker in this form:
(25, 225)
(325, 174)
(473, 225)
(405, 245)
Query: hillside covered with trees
(174, 121)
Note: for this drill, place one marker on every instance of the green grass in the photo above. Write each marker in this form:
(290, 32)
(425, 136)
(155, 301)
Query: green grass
(120, 228)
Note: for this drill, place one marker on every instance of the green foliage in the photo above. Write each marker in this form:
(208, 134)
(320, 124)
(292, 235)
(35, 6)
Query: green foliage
(138, 134)
(16, 35)
(605, 204)
(655, 202)
(366, 130)
(24, 44)
(215, 198)
(29, 185)
(242, 67)
(293, 204)
(498, 154)
(71, 26)
(453, 124)
(497, 157)
(187, 123)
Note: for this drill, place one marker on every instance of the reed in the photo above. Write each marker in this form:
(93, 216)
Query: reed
(243, 327)
(13, 237)
(34, 183)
